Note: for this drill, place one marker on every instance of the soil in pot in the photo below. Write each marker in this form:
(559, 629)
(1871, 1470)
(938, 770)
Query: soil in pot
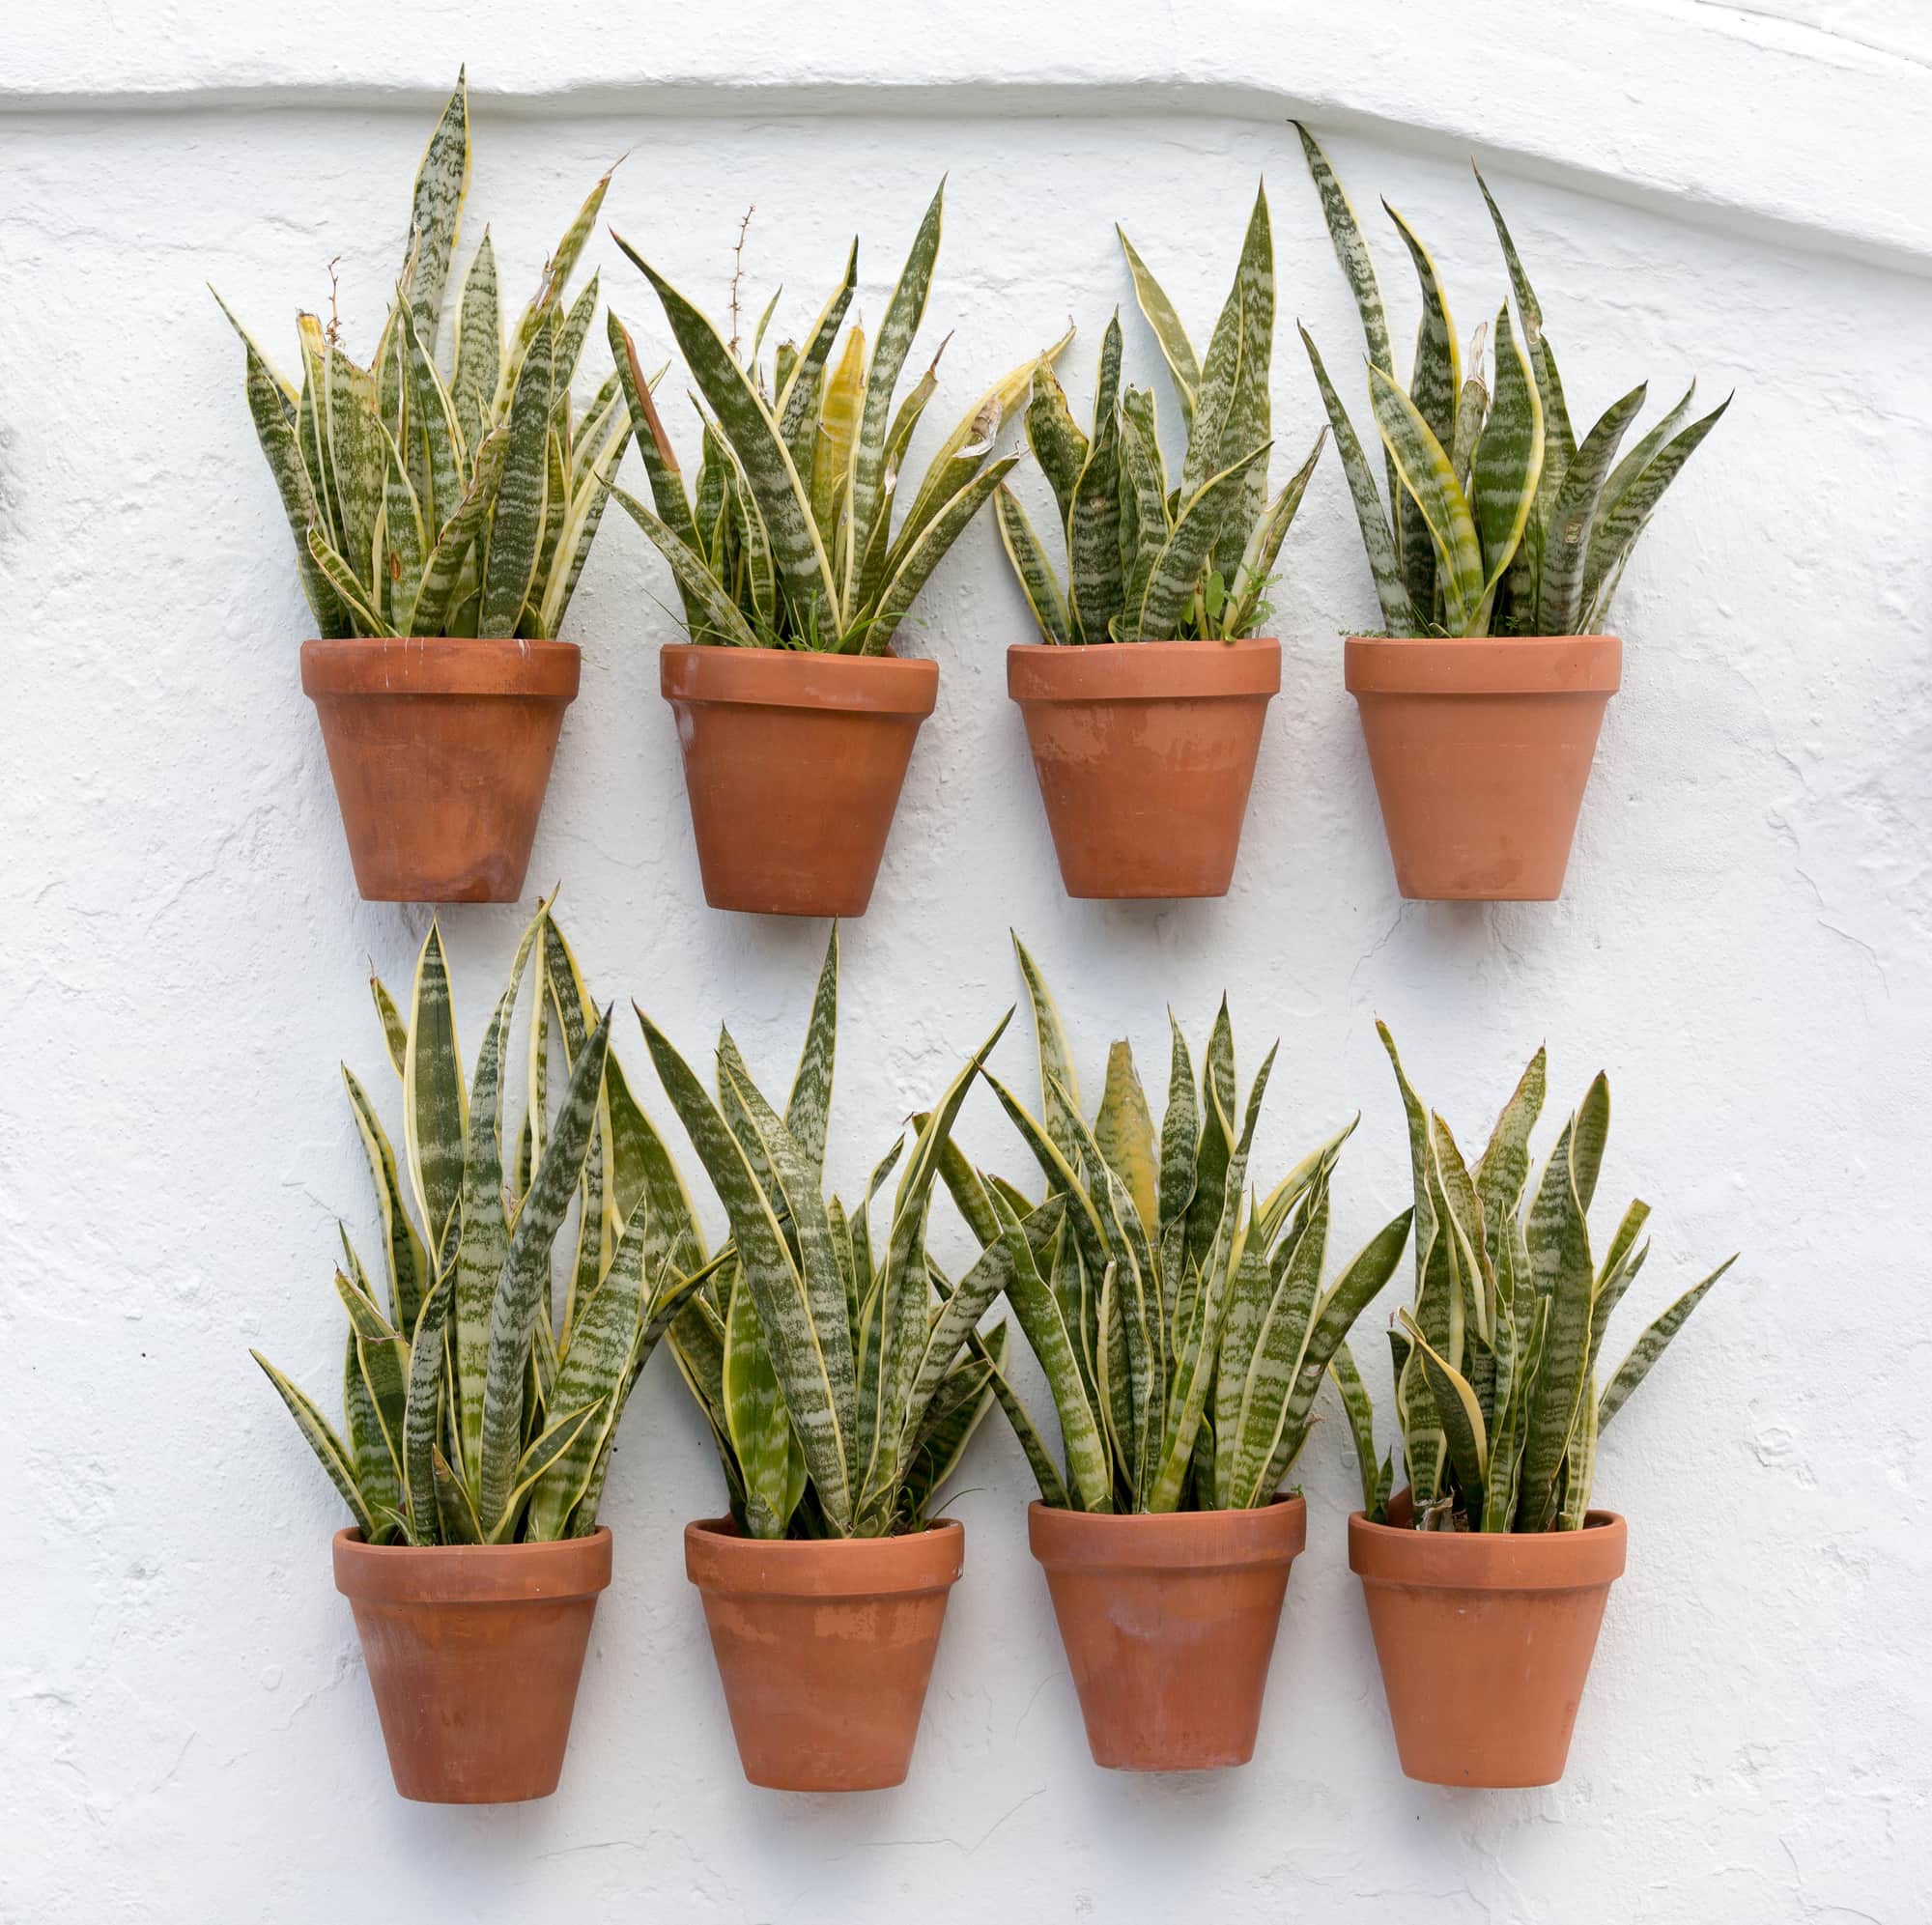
(1145, 752)
(824, 1647)
(1169, 1623)
(793, 764)
(475, 1652)
(440, 750)
(1484, 1640)
(1481, 751)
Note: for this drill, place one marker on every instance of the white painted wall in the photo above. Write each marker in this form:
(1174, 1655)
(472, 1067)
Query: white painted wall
(187, 1732)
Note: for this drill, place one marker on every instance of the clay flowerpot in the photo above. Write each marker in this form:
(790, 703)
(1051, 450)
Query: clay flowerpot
(1169, 1624)
(1484, 1640)
(440, 749)
(824, 1647)
(793, 762)
(1481, 751)
(473, 1654)
(1144, 752)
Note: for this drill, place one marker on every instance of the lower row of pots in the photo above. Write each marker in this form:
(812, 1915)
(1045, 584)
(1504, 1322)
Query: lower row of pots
(441, 752)
(825, 1648)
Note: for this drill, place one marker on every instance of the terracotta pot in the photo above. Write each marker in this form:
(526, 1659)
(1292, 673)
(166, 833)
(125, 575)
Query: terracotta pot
(1484, 1640)
(473, 1652)
(1169, 1624)
(440, 750)
(1481, 751)
(793, 762)
(1144, 752)
(824, 1647)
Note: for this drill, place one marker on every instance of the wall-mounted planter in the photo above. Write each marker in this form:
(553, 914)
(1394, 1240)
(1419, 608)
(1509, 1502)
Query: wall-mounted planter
(1480, 752)
(1484, 1640)
(793, 763)
(825, 1647)
(1169, 1623)
(1145, 752)
(441, 752)
(473, 1654)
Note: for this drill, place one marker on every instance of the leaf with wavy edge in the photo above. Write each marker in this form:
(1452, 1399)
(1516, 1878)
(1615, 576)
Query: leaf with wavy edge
(322, 1440)
(1056, 438)
(1177, 569)
(1565, 540)
(1649, 1346)
(1431, 480)
(1031, 567)
(1168, 333)
(1508, 465)
(896, 597)
(1094, 589)
(523, 490)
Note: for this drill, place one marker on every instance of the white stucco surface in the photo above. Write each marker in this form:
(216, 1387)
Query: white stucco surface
(186, 1732)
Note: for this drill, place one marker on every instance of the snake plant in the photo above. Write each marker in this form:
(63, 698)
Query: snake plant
(1147, 561)
(790, 540)
(1496, 1367)
(1182, 1329)
(445, 497)
(1503, 522)
(843, 1376)
(470, 1416)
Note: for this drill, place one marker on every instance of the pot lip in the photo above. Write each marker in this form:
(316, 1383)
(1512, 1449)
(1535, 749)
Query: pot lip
(390, 665)
(798, 678)
(1191, 1540)
(472, 1573)
(718, 1560)
(1143, 671)
(1585, 1559)
(1508, 664)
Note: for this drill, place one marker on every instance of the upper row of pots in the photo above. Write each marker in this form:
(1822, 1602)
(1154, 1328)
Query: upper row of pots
(444, 510)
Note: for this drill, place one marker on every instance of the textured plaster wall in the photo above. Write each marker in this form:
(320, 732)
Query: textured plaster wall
(186, 1734)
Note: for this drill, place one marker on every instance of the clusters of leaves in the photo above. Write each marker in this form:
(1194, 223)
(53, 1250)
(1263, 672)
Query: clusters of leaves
(1496, 1367)
(1504, 523)
(1147, 562)
(843, 1377)
(428, 501)
(472, 1416)
(790, 541)
(1183, 1336)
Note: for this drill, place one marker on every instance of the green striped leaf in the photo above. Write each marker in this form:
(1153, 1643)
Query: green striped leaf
(1352, 251)
(1504, 1167)
(407, 1262)
(1651, 1346)
(759, 1426)
(536, 1462)
(1030, 566)
(1565, 548)
(1124, 1133)
(1144, 517)
(748, 425)
(438, 449)
(1508, 463)
(579, 529)
(903, 313)
(1177, 569)
(523, 1288)
(1436, 380)
(831, 471)
(939, 534)
(403, 541)
(778, 1288)
(517, 523)
(347, 585)
(270, 407)
(1095, 591)
(809, 1107)
(1377, 543)
(1249, 421)
(1625, 510)
(395, 1032)
(1550, 387)
(322, 1440)
(435, 208)
(1168, 333)
(1559, 1241)
(436, 1105)
(422, 1408)
(455, 1513)
(1361, 1415)
(1055, 438)
(796, 405)
(1430, 482)
(1461, 1418)
(1055, 1058)
(715, 617)
(457, 545)
(477, 362)
(1264, 546)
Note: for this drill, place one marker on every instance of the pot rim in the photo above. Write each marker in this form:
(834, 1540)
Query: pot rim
(439, 664)
(1507, 664)
(721, 1561)
(1585, 1559)
(1189, 1540)
(1143, 671)
(522, 1573)
(798, 678)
